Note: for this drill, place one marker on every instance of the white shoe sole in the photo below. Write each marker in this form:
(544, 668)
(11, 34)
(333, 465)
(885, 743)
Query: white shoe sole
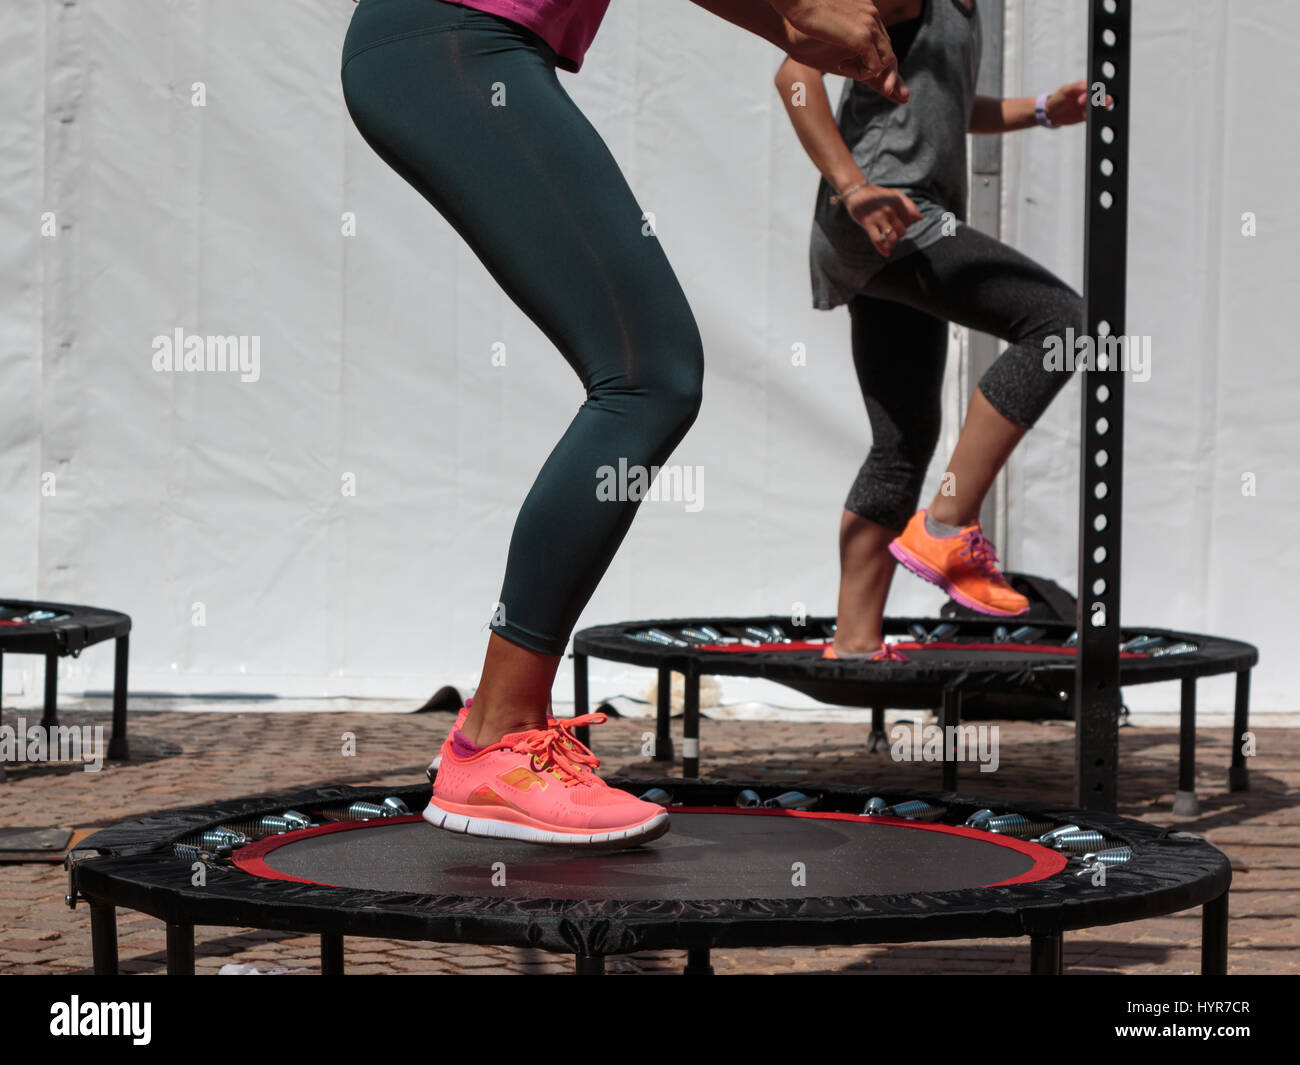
(491, 829)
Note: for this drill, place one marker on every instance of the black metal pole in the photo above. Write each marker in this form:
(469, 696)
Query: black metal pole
(1045, 954)
(50, 717)
(1097, 690)
(1214, 937)
(589, 965)
(1238, 774)
(698, 963)
(691, 724)
(331, 954)
(949, 719)
(180, 949)
(1185, 804)
(664, 716)
(118, 746)
(103, 938)
(580, 696)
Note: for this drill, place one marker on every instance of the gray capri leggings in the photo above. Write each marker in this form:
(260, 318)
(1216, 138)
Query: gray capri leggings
(900, 343)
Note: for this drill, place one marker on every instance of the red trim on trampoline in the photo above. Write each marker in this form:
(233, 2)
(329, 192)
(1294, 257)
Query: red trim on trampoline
(909, 645)
(252, 858)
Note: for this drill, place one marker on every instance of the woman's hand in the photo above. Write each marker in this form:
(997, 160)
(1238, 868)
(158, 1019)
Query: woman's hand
(844, 37)
(883, 213)
(1068, 106)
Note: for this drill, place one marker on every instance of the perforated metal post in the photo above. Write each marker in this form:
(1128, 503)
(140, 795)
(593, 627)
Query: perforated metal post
(1097, 691)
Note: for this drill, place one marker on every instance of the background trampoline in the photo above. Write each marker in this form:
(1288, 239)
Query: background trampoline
(987, 664)
(723, 877)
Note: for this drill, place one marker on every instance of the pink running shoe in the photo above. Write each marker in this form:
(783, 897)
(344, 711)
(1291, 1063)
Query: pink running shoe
(528, 786)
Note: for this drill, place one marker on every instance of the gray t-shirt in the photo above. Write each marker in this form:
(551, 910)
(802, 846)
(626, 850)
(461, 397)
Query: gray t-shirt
(918, 148)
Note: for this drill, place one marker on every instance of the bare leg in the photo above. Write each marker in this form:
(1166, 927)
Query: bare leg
(866, 568)
(986, 442)
(514, 694)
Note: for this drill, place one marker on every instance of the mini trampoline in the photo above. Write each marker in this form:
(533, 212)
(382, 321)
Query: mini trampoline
(954, 665)
(53, 630)
(722, 877)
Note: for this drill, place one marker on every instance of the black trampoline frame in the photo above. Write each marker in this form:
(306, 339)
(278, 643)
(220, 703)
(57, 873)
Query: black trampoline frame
(84, 627)
(135, 868)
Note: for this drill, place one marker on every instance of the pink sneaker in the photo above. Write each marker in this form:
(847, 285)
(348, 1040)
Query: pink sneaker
(579, 750)
(530, 787)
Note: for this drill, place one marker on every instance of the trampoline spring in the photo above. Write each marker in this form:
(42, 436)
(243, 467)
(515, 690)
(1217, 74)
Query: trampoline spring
(979, 818)
(918, 632)
(876, 807)
(1048, 838)
(698, 636)
(778, 634)
(659, 636)
(757, 632)
(1080, 841)
(712, 633)
(942, 632)
(1111, 856)
(297, 819)
(791, 800)
(1016, 825)
(1173, 649)
(917, 810)
(192, 853)
(367, 811)
(748, 799)
(267, 825)
(217, 840)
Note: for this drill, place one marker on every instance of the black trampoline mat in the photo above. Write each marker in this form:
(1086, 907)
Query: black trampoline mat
(706, 855)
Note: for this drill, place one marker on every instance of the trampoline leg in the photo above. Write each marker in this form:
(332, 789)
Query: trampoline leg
(331, 954)
(949, 719)
(664, 717)
(180, 949)
(877, 738)
(118, 747)
(1214, 937)
(580, 696)
(691, 727)
(589, 965)
(50, 718)
(1185, 804)
(103, 938)
(698, 963)
(1238, 774)
(1045, 954)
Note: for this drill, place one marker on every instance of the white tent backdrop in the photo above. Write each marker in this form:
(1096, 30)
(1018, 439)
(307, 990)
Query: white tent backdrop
(338, 526)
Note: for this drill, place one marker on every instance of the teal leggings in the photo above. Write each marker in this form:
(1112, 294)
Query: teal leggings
(467, 108)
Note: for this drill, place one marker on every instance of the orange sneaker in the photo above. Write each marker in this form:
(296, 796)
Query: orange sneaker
(964, 566)
(529, 786)
(884, 653)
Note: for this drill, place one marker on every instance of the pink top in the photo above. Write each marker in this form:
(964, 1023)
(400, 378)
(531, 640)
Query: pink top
(568, 26)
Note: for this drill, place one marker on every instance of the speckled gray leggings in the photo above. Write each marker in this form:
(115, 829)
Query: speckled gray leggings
(900, 342)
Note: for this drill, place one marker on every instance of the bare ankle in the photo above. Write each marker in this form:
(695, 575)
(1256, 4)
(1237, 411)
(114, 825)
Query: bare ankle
(486, 726)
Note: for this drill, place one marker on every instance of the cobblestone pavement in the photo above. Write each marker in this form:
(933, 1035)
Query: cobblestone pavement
(183, 758)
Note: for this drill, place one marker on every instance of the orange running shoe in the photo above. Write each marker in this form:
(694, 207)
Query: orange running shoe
(529, 786)
(964, 566)
(884, 653)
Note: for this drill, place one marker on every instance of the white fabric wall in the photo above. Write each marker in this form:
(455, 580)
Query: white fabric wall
(172, 490)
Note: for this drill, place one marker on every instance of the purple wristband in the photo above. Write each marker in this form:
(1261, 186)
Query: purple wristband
(1040, 112)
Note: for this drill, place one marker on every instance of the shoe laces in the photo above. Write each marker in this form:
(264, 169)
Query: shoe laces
(578, 751)
(980, 552)
(548, 754)
(889, 653)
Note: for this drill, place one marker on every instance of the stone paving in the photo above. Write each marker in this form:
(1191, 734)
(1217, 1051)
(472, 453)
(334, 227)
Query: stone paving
(185, 758)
